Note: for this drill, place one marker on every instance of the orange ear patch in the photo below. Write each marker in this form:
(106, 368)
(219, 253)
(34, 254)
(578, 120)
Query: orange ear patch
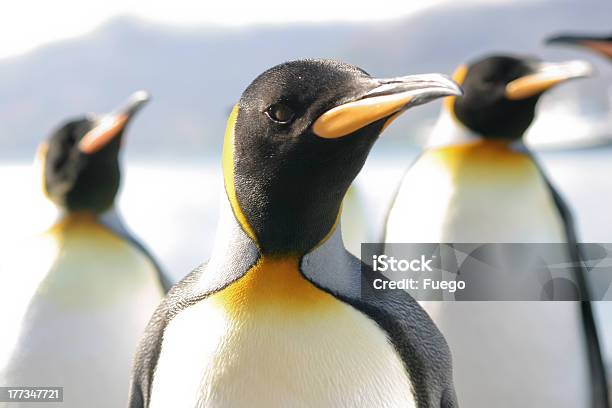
(102, 134)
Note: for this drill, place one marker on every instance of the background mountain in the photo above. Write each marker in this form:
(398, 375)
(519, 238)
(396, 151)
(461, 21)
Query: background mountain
(196, 75)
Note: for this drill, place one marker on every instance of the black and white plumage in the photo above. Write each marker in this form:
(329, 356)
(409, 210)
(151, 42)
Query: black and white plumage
(281, 314)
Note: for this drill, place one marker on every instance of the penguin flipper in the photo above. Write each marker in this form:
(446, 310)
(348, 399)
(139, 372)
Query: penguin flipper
(414, 335)
(113, 220)
(165, 282)
(147, 354)
(599, 378)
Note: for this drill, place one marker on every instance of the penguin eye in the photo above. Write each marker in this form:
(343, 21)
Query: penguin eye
(489, 80)
(280, 113)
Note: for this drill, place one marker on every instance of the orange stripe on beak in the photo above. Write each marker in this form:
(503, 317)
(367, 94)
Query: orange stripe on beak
(545, 77)
(388, 100)
(103, 133)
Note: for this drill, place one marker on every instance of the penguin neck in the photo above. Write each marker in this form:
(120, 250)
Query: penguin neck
(235, 253)
(287, 210)
(449, 131)
(110, 219)
(278, 215)
(76, 217)
(234, 228)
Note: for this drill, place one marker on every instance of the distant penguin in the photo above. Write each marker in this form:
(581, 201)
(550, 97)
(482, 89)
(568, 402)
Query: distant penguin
(600, 44)
(477, 183)
(281, 315)
(77, 298)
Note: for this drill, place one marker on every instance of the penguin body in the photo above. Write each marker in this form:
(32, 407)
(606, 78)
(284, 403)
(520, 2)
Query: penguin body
(83, 291)
(282, 314)
(90, 301)
(473, 204)
(271, 319)
(473, 188)
(463, 189)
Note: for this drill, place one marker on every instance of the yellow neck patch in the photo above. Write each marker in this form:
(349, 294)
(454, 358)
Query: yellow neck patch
(484, 160)
(273, 283)
(228, 174)
(77, 220)
(92, 266)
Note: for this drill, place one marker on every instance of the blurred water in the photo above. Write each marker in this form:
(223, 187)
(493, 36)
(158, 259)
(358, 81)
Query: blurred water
(173, 205)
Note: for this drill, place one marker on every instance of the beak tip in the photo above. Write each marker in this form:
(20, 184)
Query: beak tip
(140, 97)
(136, 101)
(458, 91)
(451, 87)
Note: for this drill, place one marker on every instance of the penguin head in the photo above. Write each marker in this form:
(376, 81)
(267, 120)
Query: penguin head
(298, 137)
(599, 44)
(81, 159)
(501, 92)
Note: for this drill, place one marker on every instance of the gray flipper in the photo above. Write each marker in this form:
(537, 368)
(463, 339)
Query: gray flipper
(112, 220)
(163, 278)
(597, 367)
(416, 338)
(147, 355)
(414, 335)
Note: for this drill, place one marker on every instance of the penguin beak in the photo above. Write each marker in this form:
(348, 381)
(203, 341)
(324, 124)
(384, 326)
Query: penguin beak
(544, 76)
(388, 99)
(597, 44)
(111, 125)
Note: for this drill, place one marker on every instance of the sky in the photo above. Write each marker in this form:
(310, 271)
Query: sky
(27, 24)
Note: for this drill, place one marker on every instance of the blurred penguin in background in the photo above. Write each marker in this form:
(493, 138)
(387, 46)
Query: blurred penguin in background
(355, 216)
(600, 44)
(76, 298)
(477, 183)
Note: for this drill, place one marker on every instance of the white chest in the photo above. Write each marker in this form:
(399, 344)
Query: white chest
(76, 305)
(330, 356)
(501, 200)
(484, 194)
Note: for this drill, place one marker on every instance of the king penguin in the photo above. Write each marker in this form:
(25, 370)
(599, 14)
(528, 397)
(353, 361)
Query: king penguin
(476, 182)
(281, 315)
(600, 44)
(84, 290)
